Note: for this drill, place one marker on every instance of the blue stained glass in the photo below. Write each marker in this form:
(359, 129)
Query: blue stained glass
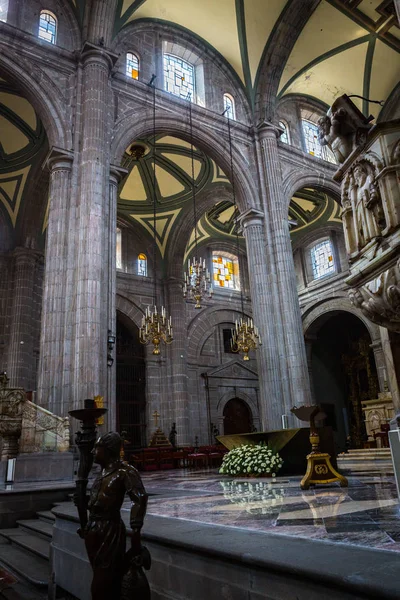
(178, 77)
(47, 27)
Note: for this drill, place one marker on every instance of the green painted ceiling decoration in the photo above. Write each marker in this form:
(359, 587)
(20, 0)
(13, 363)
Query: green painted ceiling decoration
(22, 145)
(173, 184)
(309, 210)
(347, 46)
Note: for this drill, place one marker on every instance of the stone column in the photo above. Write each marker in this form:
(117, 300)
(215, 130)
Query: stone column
(272, 401)
(116, 174)
(91, 269)
(55, 346)
(309, 341)
(20, 350)
(178, 362)
(278, 237)
(391, 376)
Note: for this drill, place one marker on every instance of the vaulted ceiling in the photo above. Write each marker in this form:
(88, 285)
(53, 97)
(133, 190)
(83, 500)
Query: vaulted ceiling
(22, 147)
(347, 46)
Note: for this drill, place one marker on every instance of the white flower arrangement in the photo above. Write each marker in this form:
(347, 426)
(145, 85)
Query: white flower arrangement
(251, 460)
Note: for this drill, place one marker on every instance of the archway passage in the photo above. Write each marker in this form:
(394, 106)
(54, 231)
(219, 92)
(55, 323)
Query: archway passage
(237, 417)
(131, 386)
(344, 374)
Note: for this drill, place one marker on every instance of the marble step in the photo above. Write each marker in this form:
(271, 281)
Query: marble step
(46, 516)
(35, 526)
(33, 544)
(32, 568)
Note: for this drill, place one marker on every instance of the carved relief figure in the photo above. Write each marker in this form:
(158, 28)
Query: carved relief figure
(332, 133)
(369, 218)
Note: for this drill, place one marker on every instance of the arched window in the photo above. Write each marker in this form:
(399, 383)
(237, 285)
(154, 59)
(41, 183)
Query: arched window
(179, 77)
(229, 106)
(313, 147)
(3, 10)
(132, 65)
(142, 265)
(119, 249)
(226, 271)
(322, 261)
(285, 135)
(48, 26)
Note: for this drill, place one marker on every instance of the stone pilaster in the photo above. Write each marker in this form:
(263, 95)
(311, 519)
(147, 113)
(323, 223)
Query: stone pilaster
(272, 402)
(55, 345)
(278, 237)
(178, 363)
(116, 174)
(91, 271)
(20, 350)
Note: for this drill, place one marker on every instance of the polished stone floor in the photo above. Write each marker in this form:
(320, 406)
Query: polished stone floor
(367, 513)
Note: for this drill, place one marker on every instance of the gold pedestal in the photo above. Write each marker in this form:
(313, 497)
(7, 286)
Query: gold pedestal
(320, 470)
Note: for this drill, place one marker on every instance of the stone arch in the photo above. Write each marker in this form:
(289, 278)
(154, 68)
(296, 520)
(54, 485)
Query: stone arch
(129, 309)
(198, 331)
(251, 404)
(316, 315)
(321, 181)
(44, 96)
(136, 125)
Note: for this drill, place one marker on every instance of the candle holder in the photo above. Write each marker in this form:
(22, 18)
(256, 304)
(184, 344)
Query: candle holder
(319, 468)
(85, 440)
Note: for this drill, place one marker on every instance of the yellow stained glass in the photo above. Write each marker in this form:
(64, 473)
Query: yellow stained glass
(222, 283)
(236, 268)
(142, 257)
(215, 277)
(227, 277)
(220, 259)
(135, 74)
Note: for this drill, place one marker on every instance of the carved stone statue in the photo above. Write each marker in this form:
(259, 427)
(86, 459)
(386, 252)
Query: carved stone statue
(116, 574)
(343, 128)
(368, 206)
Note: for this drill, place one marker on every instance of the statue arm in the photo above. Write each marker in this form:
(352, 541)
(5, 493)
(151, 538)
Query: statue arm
(139, 497)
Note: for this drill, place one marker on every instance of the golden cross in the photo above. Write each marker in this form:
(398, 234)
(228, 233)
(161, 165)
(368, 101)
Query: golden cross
(156, 416)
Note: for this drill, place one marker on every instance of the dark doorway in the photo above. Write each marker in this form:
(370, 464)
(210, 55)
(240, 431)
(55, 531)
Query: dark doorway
(344, 374)
(237, 417)
(131, 386)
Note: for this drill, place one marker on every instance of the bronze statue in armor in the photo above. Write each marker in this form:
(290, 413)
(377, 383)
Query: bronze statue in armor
(117, 574)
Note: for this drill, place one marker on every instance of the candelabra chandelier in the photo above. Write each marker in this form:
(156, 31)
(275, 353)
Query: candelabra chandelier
(245, 337)
(197, 281)
(156, 327)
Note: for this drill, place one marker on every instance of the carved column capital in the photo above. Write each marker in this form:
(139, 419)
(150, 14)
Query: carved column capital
(117, 174)
(98, 55)
(267, 130)
(25, 256)
(59, 159)
(252, 217)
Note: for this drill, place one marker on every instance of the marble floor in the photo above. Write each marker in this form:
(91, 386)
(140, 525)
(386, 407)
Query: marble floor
(367, 513)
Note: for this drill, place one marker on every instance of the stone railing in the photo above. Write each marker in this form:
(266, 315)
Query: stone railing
(26, 427)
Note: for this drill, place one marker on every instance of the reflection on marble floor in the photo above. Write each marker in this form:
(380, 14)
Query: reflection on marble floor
(366, 514)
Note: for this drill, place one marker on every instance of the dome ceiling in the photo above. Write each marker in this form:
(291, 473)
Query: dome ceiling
(346, 46)
(309, 210)
(173, 184)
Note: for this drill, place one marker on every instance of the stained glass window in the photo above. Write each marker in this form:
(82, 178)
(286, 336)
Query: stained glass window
(322, 261)
(285, 135)
(132, 65)
(229, 106)
(178, 77)
(142, 265)
(3, 10)
(310, 131)
(119, 249)
(47, 26)
(226, 271)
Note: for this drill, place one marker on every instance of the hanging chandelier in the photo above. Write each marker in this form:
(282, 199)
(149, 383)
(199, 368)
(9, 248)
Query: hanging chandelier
(156, 326)
(197, 281)
(197, 278)
(245, 336)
